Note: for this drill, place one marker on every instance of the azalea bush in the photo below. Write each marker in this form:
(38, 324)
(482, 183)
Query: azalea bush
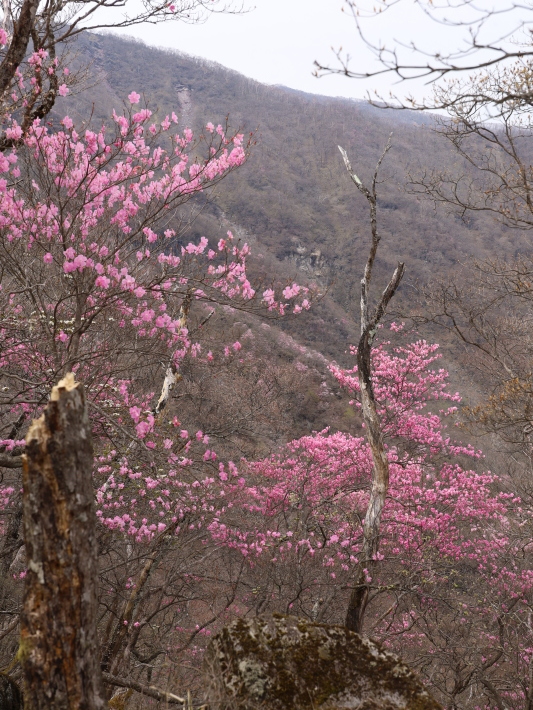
(452, 589)
(97, 279)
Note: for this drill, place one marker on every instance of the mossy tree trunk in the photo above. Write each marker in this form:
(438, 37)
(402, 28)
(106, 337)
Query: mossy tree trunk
(59, 646)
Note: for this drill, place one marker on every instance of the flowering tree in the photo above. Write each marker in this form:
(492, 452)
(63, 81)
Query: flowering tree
(450, 587)
(96, 280)
(77, 235)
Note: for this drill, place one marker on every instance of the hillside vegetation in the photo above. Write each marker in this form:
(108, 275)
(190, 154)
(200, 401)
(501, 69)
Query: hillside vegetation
(293, 197)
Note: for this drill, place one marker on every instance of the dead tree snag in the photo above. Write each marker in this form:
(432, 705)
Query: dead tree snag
(370, 320)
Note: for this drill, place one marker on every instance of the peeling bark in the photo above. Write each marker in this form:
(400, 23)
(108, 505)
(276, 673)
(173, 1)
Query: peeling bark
(374, 434)
(171, 378)
(59, 646)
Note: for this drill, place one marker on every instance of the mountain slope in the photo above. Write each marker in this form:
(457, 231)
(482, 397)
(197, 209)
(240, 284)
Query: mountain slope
(293, 199)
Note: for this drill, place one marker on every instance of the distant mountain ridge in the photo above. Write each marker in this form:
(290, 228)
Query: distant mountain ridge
(293, 198)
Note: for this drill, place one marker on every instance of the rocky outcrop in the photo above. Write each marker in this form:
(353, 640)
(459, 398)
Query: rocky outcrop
(310, 261)
(281, 662)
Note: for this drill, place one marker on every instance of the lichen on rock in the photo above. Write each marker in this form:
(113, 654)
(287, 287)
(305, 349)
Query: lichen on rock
(279, 662)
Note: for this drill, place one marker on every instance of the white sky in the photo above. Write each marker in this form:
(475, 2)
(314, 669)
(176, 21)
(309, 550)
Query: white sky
(277, 41)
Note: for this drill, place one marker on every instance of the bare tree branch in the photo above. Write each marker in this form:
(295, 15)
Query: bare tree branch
(150, 691)
(482, 46)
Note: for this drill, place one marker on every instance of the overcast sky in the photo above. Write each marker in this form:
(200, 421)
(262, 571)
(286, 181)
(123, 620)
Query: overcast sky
(277, 41)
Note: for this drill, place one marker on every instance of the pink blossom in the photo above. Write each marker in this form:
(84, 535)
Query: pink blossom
(147, 315)
(141, 115)
(144, 428)
(291, 291)
(151, 236)
(102, 282)
(80, 262)
(268, 297)
(63, 90)
(14, 132)
(135, 413)
(134, 97)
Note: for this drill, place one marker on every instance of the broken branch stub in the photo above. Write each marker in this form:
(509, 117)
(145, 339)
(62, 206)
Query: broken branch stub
(59, 645)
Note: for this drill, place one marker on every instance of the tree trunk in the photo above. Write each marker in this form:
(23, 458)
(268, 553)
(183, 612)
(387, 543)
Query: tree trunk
(378, 493)
(374, 434)
(19, 43)
(59, 646)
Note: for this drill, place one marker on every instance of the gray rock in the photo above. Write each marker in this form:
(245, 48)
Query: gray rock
(280, 662)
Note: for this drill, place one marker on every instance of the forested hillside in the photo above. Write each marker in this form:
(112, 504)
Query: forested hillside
(292, 196)
(292, 200)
